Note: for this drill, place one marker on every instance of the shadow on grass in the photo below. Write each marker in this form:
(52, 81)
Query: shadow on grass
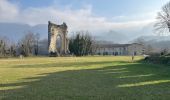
(132, 81)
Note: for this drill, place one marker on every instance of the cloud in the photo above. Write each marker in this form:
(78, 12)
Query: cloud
(80, 19)
(8, 11)
(136, 17)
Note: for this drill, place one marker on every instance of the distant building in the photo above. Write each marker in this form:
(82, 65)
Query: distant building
(119, 49)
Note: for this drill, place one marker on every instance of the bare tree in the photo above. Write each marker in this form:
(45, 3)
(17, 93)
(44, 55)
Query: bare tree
(162, 25)
(27, 44)
(36, 45)
(4, 47)
(13, 50)
(149, 49)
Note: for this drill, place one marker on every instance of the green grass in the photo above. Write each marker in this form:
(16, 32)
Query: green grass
(82, 78)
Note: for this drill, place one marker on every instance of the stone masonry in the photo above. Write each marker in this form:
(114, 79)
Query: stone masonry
(53, 32)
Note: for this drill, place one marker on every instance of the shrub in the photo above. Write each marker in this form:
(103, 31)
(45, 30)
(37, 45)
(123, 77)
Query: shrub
(158, 59)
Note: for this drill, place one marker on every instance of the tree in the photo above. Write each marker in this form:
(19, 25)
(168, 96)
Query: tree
(27, 44)
(164, 52)
(81, 44)
(162, 25)
(148, 49)
(4, 47)
(36, 46)
(13, 50)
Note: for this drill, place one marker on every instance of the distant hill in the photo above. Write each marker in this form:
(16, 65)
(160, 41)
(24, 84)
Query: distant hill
(155, 38)
(15, 31)
(158, 42)
(112, 36)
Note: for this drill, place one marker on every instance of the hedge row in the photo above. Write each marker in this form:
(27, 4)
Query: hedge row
(158, 60)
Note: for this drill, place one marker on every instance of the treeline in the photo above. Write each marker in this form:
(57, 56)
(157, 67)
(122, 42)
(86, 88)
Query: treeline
(80, 44)
(26, 46)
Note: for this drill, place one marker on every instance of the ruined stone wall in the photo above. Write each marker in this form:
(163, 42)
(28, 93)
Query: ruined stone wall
(54, 31)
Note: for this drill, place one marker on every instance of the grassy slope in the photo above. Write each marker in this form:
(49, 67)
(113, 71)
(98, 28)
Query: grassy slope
(84, 78)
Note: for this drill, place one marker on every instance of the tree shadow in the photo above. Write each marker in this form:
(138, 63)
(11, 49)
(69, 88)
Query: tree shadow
(131, 81)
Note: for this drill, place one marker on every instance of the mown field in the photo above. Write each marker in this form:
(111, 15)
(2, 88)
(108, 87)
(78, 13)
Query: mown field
(83, 78)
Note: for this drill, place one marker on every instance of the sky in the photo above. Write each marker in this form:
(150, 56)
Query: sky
(92, 15)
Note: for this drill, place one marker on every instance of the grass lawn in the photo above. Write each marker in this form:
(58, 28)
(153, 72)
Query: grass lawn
(82, 78)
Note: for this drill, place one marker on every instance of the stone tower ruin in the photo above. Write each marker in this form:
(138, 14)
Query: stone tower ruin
(55, 31)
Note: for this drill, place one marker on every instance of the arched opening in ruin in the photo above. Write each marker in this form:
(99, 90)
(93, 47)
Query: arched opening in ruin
(59, 43)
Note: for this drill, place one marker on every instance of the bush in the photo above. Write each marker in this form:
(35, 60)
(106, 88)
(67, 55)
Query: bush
(158, 59)
(167, 54)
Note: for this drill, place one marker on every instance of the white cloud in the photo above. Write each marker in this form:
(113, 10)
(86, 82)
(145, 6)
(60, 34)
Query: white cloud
(81, 19)
(8, 11)
(136, 17)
